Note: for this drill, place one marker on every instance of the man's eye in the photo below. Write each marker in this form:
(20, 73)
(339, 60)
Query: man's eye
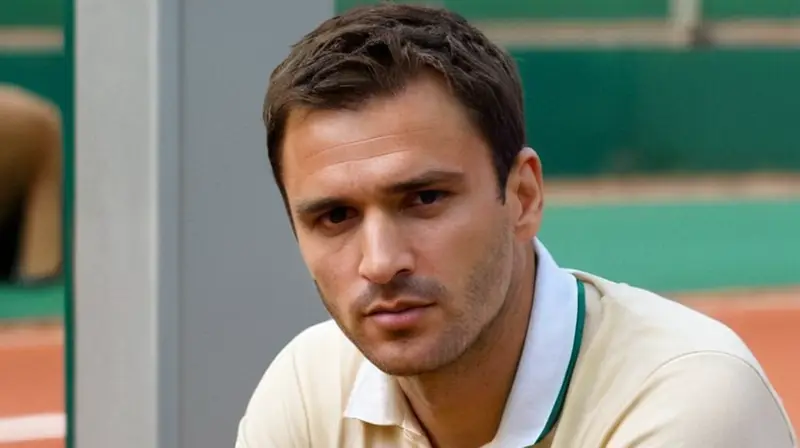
(428, 197)
(338, 215)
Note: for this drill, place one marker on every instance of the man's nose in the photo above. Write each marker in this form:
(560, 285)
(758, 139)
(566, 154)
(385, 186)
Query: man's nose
(385, 251)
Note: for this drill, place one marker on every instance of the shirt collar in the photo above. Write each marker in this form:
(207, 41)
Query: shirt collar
(376, 397)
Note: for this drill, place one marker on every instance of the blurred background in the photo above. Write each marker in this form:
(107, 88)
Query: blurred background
(668, 130)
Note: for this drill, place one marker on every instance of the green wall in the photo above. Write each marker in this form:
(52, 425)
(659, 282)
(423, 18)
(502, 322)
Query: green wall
(43, 73)
(592, 112)
(729, 9)
(599, 9)
(687, 246)
(540, 9)
(32, 12)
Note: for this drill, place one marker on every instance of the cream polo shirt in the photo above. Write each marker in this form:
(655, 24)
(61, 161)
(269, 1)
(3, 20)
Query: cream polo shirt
(646, 373)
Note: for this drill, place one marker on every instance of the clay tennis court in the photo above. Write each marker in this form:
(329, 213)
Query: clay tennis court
(31, 385)
(768, 319)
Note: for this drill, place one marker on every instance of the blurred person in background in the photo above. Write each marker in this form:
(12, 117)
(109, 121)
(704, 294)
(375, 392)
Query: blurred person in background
(30, 187)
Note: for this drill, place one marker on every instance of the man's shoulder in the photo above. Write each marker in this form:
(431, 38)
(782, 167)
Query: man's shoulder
(304, 391)
(300, 398)
(656, 366)
(661, 327)
(642, 335)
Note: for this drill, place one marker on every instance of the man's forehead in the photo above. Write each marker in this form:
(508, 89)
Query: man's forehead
(423, 108)
(374, 160)
(323, 144)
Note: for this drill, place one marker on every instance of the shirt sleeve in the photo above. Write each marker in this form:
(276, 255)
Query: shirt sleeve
(705, 400)
(276, 415)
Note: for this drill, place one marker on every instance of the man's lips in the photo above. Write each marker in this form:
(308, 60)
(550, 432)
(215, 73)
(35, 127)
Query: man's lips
(398, 315)
(396, 306)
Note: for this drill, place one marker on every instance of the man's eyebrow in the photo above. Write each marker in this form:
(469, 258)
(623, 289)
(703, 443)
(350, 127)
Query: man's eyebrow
(317, 206)
(420, 182)
(424, 180)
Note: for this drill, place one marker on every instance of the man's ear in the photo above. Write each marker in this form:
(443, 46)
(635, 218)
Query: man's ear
(525, 194)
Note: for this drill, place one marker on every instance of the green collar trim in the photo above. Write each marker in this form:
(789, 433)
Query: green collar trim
(573, 359)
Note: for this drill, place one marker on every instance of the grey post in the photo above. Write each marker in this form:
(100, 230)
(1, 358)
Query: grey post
(187, 277)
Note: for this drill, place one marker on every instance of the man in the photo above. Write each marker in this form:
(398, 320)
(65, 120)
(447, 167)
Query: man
(396, 136)
(30, 187)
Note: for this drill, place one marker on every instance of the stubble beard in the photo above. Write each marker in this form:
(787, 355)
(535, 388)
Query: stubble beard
(466, 333)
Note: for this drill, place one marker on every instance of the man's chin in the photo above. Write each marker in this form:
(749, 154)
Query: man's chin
(402, 368)
(405, 360)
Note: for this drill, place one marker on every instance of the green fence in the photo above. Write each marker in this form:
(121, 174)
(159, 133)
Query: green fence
(51, 12)
(597, 9)
(731, 9)
(550, 9)
(43, 73)
(592, 112)
(32, 13)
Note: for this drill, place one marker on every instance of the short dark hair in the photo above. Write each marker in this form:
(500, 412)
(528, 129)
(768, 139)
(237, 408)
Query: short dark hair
(373, 51)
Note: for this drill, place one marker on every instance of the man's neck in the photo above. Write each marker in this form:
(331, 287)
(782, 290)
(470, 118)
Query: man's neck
(463, 404)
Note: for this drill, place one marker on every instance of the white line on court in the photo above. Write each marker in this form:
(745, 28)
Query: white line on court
(27, 428)
(16, 335)
(637, 32)
(31, 39)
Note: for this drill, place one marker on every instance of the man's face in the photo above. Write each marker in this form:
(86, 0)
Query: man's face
(397, 213)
